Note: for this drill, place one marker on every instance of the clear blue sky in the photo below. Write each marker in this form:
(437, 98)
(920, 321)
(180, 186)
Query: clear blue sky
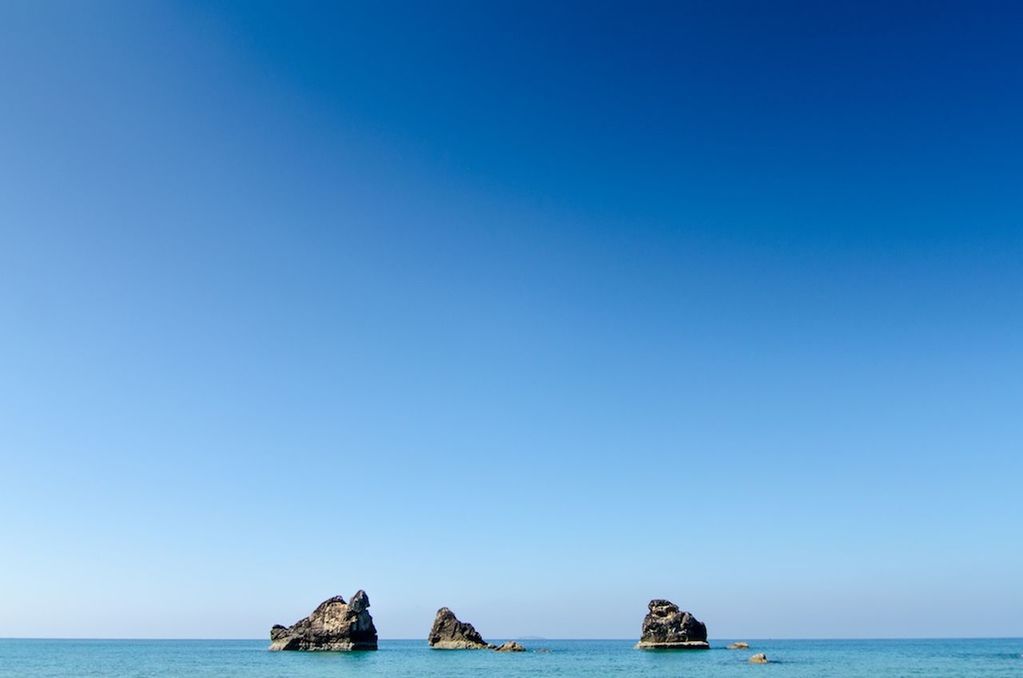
(536, 311)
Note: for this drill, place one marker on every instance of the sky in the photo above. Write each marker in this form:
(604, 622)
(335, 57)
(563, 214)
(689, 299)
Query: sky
(532, 310)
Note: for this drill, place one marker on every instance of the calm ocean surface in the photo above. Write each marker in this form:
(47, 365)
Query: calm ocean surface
(795, 658)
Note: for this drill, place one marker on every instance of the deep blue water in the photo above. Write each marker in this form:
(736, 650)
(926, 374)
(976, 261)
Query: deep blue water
(989, 658)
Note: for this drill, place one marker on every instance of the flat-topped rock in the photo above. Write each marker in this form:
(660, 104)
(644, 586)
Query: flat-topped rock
(665, 627)
(334, 626)
(740, 645)
(510, 646)
(448, 633)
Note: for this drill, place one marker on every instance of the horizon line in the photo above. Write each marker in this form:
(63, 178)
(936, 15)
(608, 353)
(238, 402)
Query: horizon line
(526, 638)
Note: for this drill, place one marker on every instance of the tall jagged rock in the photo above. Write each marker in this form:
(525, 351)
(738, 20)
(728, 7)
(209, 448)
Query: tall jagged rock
(448, 633)
(667, 627)
(334, 626)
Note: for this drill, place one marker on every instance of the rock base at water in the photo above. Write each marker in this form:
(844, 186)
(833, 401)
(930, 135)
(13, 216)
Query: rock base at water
(665, 627)
(684, 645)
(334, 626)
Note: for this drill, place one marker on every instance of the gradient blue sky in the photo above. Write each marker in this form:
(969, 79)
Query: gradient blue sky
(536, 311)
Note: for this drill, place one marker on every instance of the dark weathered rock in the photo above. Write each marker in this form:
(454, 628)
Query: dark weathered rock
(760, 658)
(448, 633)
(510, 646)
(667, 627)
(333, 626)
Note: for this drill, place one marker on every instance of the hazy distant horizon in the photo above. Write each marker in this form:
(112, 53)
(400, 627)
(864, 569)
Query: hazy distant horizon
(714, 641)
(537, 311)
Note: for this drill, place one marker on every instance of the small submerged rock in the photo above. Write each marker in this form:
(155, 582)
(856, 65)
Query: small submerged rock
(666, 627)
(510, 646)
(738, 646)
(334, 626)
(759, 658)
(448, 633)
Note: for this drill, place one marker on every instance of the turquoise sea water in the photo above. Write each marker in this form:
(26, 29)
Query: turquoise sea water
(991, 658)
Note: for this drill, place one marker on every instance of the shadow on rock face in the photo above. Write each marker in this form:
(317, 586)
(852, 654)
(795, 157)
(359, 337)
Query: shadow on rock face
(666, 627)
(334, 626)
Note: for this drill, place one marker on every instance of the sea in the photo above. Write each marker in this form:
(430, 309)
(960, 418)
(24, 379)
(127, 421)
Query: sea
(972, 658)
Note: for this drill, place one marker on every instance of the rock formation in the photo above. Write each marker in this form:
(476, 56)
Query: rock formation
(760, 658)
(741, 645)
(333, 626)
(510, 646)
(450, 634)
(666, 627)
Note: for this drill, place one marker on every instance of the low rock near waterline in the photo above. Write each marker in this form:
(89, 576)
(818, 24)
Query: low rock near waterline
(759, 658)
(510, 646)
(738, 646)
(448, 633)
(334, 626)
(665, 627)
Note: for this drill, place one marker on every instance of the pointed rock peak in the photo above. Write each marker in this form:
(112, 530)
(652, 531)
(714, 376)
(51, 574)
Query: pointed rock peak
(360, 601)
(448, 633)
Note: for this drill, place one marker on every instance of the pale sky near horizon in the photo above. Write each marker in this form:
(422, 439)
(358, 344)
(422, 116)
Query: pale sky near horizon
(532, 310)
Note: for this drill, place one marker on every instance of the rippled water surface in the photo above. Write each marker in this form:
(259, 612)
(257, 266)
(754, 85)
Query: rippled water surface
(796, 658)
